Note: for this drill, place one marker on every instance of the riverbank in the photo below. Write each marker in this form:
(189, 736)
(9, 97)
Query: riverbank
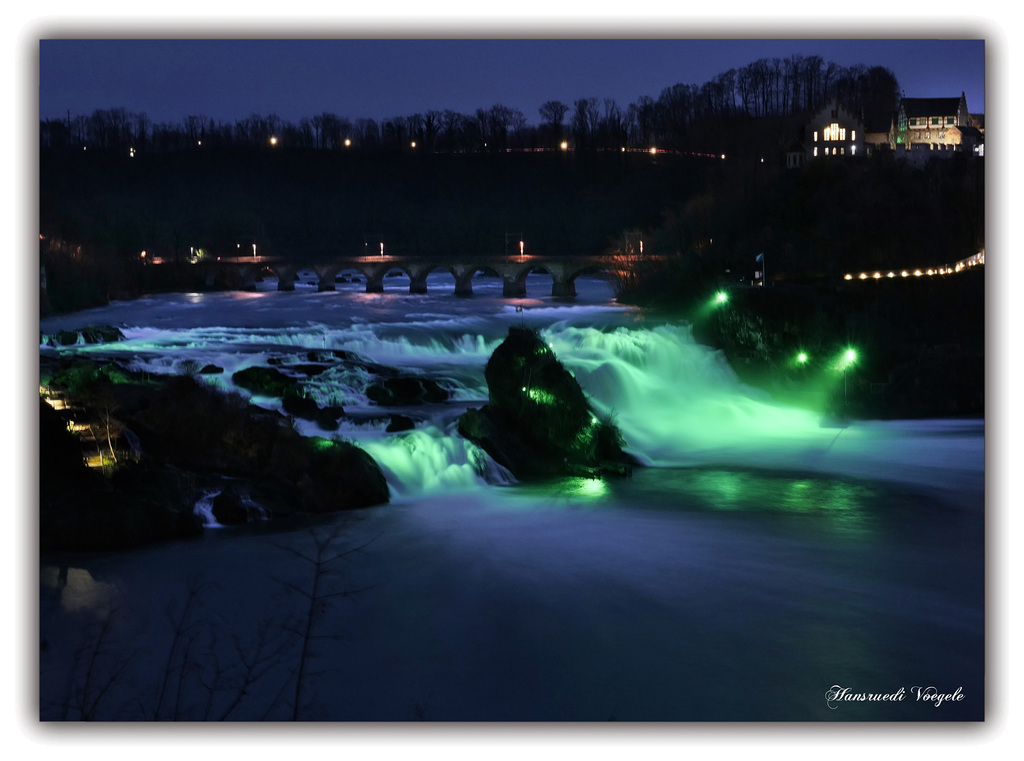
(918, 343)
(160, 445)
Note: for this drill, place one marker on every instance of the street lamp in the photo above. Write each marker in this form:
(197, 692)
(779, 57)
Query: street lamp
(514, 236)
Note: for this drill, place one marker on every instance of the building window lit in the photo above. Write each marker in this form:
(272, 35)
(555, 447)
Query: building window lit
(815, 135)
(853, 134)
(815, 151)
(835, 132)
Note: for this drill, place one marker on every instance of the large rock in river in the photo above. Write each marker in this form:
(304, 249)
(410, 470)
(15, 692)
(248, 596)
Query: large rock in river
(538, 421)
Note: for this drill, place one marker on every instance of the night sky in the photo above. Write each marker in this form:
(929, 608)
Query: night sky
(229, 79)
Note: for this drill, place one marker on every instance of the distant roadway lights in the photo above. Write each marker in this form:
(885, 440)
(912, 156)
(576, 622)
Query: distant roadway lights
(654, 150)
(564, 146)
(348, 142)
(273, 140)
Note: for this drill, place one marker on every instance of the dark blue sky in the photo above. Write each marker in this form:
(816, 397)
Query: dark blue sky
(230, 79)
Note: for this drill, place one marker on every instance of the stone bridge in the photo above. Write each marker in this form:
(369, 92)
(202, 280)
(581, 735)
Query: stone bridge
(241, 273)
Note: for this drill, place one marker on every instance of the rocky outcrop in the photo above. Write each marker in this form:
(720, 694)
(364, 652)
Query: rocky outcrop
(406, 390)
(538, 421)
(265, 381)
(188, 432)
(81, 510)
(92, 334)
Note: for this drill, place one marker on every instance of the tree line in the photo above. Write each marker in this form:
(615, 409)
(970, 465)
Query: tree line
(765, 88)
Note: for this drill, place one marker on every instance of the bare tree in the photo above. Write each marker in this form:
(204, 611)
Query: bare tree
(552, 114)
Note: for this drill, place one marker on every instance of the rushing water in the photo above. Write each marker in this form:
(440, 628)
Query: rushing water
(759, 560)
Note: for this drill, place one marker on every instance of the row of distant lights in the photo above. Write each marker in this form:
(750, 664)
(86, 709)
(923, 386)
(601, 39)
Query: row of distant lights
(348, 143)
(960, 267)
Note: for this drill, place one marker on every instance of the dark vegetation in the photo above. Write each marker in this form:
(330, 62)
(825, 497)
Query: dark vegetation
(920, 340)
(98, 213)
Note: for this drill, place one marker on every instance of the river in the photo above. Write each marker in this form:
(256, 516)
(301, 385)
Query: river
(762, 566)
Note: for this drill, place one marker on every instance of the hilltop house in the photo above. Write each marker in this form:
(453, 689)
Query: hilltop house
(924, 126)
(832, 131)
(921, 129)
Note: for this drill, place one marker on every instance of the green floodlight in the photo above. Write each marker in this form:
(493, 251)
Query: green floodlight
(721, 297)
(801, 358)
(850, 356)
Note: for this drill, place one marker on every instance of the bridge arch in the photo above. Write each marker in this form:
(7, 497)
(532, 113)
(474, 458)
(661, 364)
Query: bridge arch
(513, 271)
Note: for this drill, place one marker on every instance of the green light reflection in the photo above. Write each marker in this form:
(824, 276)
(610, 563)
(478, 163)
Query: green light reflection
(840, 501)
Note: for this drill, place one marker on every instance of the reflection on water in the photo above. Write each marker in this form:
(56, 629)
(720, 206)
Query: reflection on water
(843, 502)
(75, 589)
(846, 506)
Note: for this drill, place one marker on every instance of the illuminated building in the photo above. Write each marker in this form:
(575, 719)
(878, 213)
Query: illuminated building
(928, 127)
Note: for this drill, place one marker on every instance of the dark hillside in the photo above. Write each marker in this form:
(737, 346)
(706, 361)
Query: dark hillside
(297, 203)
